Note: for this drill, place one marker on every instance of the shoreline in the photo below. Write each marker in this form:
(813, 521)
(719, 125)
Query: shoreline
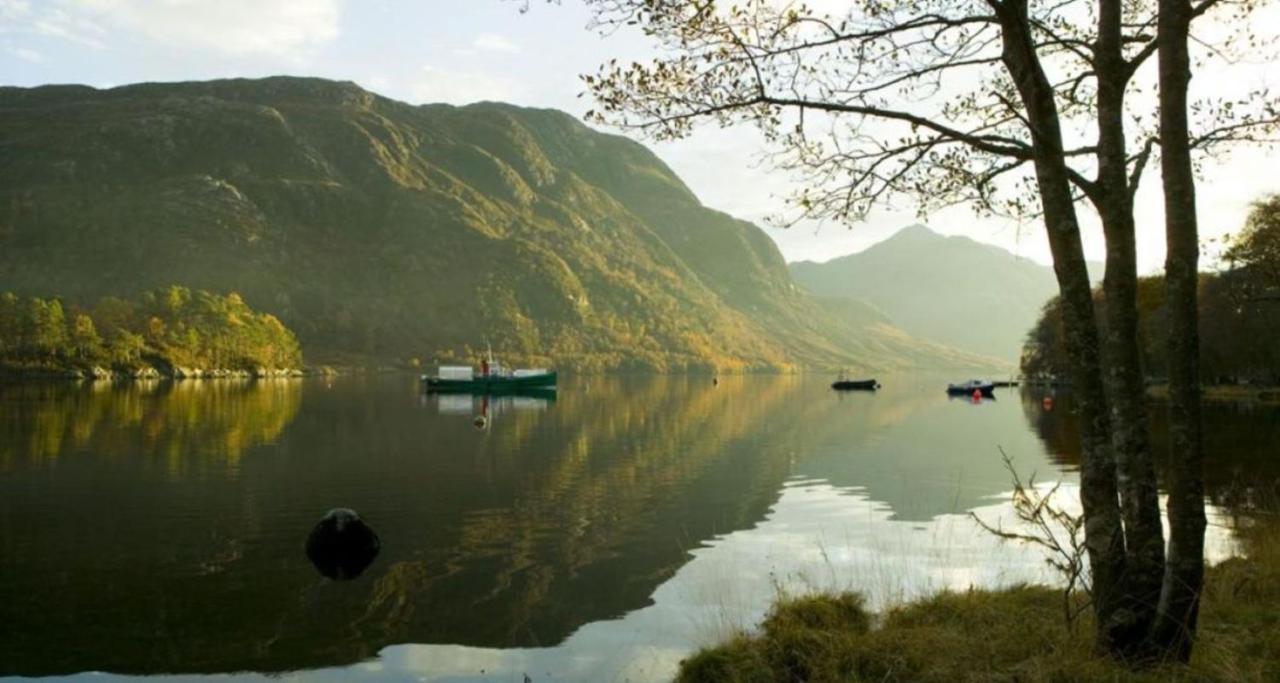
(1264, 393)
(1017, 633)
(149, 373)
(1225, 392)
(1267, 393)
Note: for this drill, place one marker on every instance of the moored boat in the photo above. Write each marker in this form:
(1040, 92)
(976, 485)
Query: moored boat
(968, 388)
(537, 383)
(853, 384)
(492, 378)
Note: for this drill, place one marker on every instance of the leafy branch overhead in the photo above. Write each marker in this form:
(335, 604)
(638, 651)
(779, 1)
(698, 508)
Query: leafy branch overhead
(904, 100)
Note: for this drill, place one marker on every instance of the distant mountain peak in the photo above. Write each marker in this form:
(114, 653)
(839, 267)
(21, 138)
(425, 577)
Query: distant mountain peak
(919, 234)
(949, 288)
(915, 230)
(914, 236)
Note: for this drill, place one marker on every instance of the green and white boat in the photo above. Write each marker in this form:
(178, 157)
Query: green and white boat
(492, 378)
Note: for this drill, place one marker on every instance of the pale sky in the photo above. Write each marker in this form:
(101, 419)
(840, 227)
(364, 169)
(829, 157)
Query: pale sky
(466, 51)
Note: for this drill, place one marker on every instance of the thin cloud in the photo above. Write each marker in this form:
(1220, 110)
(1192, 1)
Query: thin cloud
(11, 10)
(492, 42)
(289, 29)
(434, 84)
(26, 54)
(70, 26)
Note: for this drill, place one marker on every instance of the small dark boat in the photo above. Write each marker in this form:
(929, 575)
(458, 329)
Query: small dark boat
(852, 384)
(968, 388)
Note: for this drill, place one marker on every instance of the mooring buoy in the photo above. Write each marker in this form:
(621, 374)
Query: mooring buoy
(341, 545)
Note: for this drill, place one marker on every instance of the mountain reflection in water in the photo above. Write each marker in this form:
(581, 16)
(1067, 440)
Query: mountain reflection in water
(597, 536)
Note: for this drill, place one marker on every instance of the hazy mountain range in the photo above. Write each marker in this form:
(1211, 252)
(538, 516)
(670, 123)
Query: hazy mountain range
(952, 290)
(379, 229)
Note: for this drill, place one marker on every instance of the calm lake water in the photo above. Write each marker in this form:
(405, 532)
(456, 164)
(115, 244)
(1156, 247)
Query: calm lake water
(159, 528)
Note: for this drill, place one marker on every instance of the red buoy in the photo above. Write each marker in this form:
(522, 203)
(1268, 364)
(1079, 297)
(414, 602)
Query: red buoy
(1047, 403)
(977, 396)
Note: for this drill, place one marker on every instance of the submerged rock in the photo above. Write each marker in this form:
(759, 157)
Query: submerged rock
(342, 546)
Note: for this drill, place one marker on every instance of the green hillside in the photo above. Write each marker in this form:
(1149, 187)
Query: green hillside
(952, 290)
(379, 230)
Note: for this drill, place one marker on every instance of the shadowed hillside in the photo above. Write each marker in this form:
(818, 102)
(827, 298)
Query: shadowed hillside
(952, 290)
(380, 230)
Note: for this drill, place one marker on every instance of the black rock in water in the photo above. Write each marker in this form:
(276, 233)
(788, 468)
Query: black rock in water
(342, 546)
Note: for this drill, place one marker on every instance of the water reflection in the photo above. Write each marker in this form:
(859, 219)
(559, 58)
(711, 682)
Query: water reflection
(186, 427)
(483, 409)
(596, 536)
(1241, 470)
(552, 519)
(921, 452)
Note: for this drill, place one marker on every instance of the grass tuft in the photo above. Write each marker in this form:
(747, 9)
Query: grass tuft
(1012, 634)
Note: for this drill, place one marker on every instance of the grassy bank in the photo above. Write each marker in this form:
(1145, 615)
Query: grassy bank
(1016, 634)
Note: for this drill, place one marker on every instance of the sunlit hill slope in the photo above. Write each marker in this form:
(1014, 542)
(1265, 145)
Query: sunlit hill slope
(381, 230)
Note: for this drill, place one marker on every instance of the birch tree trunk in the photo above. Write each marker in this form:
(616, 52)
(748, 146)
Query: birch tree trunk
(1126, 391)
(1104, 535)
(1184, 575)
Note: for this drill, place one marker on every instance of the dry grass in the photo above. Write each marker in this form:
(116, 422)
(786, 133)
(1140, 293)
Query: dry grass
(1015, 634)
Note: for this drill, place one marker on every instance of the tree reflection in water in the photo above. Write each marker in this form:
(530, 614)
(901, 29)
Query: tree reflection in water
(163, 420)
(619, 498)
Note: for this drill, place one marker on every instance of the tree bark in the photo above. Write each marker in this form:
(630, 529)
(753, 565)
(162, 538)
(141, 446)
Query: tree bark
(1126, 391)
(1184, 575)
(1104, 535)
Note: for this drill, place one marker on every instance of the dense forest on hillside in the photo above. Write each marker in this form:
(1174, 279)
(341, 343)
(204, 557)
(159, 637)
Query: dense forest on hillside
(1239, 313)
(384, 231)
(173, 332)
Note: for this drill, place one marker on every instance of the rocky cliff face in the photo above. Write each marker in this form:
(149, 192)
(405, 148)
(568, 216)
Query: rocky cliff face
(378, 229)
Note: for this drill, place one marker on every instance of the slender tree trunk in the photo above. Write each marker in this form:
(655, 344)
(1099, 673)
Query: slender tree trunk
(1126, 392)
(1184, 576)
(1104, 535)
